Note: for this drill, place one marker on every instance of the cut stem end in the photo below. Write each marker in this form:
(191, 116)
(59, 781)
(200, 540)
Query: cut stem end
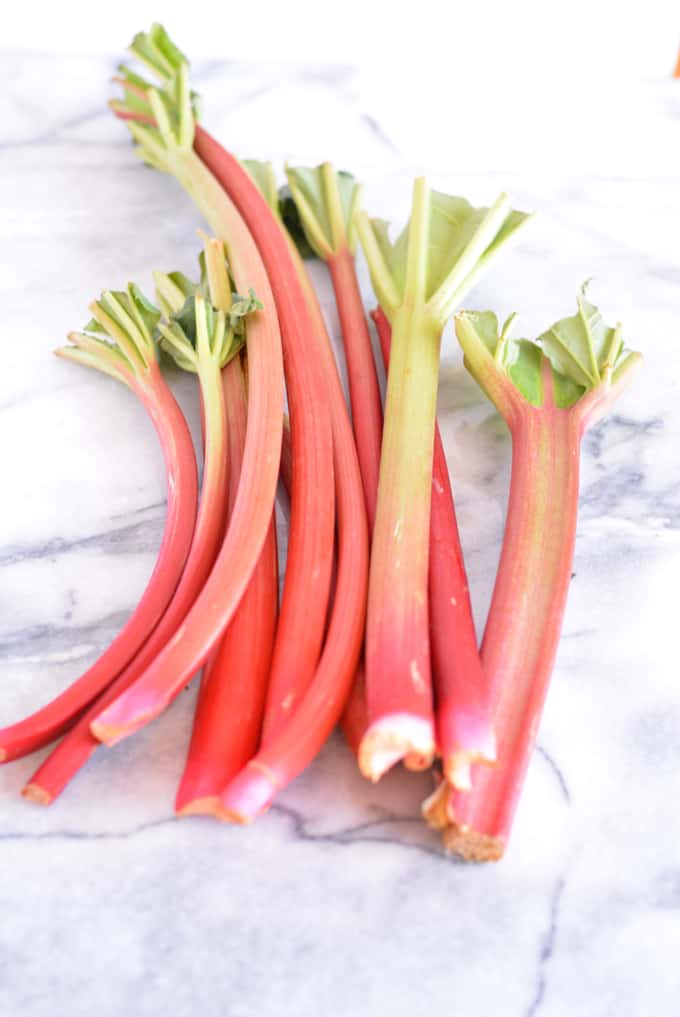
(394, 738)
(248, 795)
(36, 794)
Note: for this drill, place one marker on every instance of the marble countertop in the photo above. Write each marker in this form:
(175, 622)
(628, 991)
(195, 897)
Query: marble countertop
(340, 901)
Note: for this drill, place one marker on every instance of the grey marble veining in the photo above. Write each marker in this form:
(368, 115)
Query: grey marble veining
(339, 901)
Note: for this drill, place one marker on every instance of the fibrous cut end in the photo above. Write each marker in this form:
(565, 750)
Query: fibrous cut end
(209, 805)
(457, 838)
(249, 794)
(107, 734)
(36, 794)
(472, 846)
(394, 738)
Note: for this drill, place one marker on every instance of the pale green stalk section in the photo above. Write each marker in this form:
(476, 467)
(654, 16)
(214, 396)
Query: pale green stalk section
(334, 205)
(381, 278)
(218, 279)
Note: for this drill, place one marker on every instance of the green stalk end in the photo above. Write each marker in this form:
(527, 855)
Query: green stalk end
(444, 248)
(372, 235)
(206, 323)
(161, 117)
(326, 202)
(584, 359)
(415, 284)
(263, 175)
(119, 338)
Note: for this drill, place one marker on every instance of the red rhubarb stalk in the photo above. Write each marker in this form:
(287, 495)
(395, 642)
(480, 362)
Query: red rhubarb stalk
(548, 394)
(285, 754)
(309, 558)
(418, 280)
(213, 339)
(233, 688)
(307, 582)
(326, 202)
(122, 347)
(463, 711)
(169, 147)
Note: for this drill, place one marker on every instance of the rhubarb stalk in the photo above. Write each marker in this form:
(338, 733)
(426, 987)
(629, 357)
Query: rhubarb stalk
(168, 146)
(201, 340)
(418, 280)
(233, 688)
(153, 113)
(119, 342)
(327, 202)
(462, 708)
(286, 753)
(549, 392)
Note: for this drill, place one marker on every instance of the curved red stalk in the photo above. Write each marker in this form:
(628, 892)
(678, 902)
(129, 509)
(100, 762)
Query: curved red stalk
(234, 685)
(46, 724)
(463, 707)
(307, 581)
(283, 756)
(364, 391)
(250, 522)
(79, 744)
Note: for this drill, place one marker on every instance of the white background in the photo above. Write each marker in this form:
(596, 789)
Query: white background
(483, 42)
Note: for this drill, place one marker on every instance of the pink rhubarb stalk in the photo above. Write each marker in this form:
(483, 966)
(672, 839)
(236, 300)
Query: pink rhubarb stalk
(327, 202)
(418, 280)
(231, 699)
(233, 688)
(548, 395)
(306, 589)
(128, 355)
(162, 121)
(169, 147)
(285, 754)
(218, 339)
(463, 711)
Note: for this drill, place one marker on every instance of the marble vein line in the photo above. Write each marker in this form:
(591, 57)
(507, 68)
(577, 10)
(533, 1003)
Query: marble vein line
(43, 643)
(547, 947)
(348, 836)
(12, 836)
(379, 133)
(557, 773)
(130, 539)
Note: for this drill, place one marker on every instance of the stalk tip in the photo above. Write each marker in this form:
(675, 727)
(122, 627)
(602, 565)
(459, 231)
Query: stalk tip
(472, 846)
(394, 738)
(458, 838)
(107, 734)
(208, 805)
(248, 795)
(36, 794)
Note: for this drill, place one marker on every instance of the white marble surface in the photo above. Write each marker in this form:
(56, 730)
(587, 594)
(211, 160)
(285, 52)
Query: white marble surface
(339, 901)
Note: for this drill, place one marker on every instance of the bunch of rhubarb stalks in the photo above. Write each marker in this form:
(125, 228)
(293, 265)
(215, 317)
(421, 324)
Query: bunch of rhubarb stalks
(373, 628)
